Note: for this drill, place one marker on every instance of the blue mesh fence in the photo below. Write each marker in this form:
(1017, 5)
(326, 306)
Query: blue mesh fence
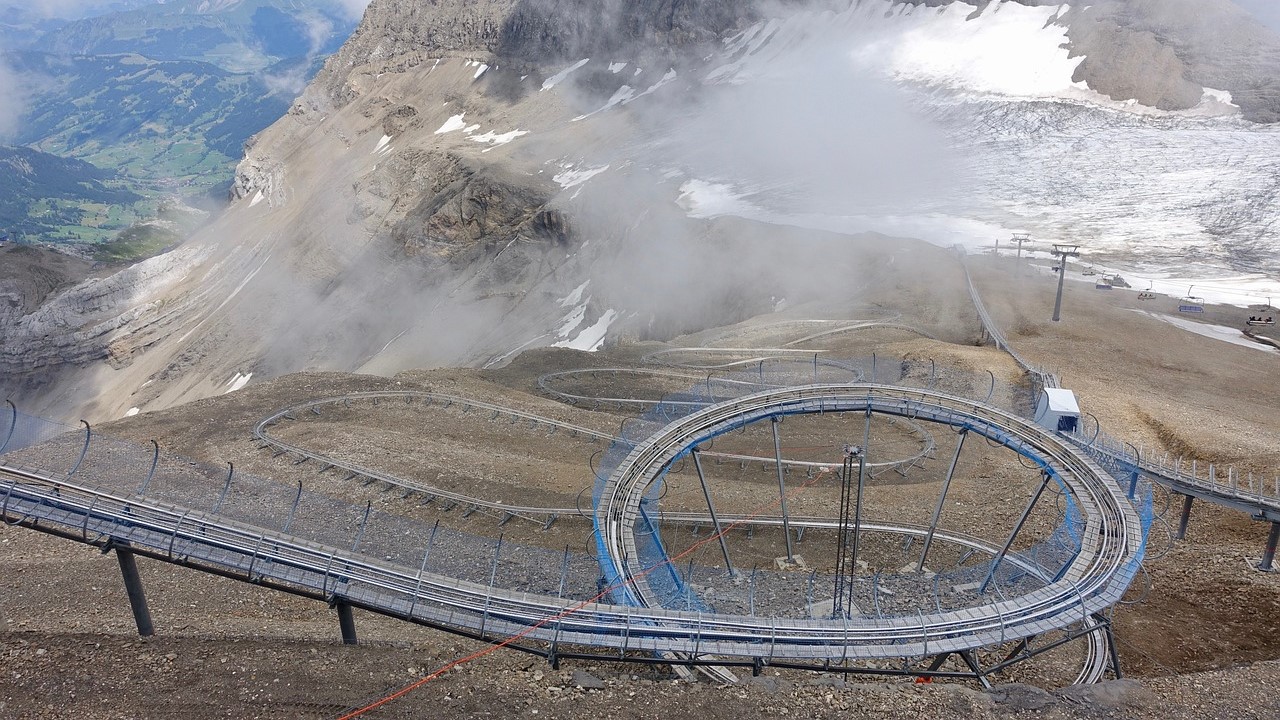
(126, 468)
(768, 592)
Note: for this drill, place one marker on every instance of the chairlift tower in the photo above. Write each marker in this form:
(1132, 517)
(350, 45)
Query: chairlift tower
(1062, 252)
(1021, 238)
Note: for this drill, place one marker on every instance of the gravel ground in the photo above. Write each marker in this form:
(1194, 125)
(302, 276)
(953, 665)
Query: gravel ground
(1202, 643)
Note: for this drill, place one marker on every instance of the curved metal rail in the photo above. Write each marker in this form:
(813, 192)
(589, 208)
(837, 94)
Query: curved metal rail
(544, 515)
(1095, 579)
(208, 542)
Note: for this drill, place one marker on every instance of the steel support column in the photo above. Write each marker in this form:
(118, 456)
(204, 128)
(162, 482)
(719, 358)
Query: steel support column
(133, 587)
(711, 508)
(942, 498)
(782, 488)
(1269, 554)
(1186, 517)
(347, 623)
(1004, 550)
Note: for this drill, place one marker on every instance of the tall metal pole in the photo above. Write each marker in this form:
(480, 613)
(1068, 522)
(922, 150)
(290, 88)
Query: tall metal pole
(857, 508)
(1044, 483)
(942, 498)
(782, 488)
(1062, 276)
(715, 521)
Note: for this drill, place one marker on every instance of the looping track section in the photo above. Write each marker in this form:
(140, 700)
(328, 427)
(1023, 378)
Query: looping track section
(1108, 559)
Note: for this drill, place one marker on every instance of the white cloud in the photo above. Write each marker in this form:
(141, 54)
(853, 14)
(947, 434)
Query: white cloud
(13, 91)
(354, 8)
(1267, 11)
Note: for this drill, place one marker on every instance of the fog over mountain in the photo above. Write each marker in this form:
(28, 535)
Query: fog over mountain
(464, 180)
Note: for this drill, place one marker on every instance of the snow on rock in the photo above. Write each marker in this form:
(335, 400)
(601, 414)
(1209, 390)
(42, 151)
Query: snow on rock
(703, 199)
(574, 297)
(560, 76)
(572, 177)
(453, 123)
(572, 320)
(237, 383)
(592, 338)
(622, 95)
(494, 138)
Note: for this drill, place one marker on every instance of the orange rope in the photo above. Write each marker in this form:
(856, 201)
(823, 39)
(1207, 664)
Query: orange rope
(552, 618)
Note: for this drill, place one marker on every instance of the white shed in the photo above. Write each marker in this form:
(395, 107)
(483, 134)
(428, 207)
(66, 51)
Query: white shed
(1058, 410)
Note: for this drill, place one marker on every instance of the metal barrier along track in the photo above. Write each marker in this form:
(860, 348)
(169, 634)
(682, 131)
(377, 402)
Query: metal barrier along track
(1046, 378)
(207, 542)
(544, 515)
(1094, 580)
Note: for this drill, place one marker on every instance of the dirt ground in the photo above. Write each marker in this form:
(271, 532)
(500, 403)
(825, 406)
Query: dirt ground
(1203, 640)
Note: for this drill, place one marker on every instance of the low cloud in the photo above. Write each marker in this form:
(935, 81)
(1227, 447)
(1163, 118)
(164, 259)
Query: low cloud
(355, 8)
(1267, 11)
(13, 91)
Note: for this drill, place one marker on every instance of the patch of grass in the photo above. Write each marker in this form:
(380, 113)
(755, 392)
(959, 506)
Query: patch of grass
(137, 243)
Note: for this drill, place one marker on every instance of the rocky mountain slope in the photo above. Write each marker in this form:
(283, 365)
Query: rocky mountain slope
(467, 179)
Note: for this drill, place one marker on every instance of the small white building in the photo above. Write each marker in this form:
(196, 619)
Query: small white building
(1058, 410)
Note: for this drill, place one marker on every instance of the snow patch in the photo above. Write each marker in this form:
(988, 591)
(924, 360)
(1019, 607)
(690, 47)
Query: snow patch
(237, 383)
(572, 320)
(480, 71)
(703, 199)
(498, 139)
(131, 412)
(571, 177)
(574, 297)
(256, 199)
(453, 123)
(1216, 332)
(591, 338)
(381, 144)
(617, 67)
(560, 76)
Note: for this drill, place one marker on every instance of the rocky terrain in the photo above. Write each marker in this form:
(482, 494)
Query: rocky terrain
(1200, 642)
(455, 175)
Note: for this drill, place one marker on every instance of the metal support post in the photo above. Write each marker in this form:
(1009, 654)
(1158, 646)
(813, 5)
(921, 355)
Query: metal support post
(1269, 554)
(715, 521)
(347, 623)
(995, 564)
(1186, 517)
(782, 488)
(1062, 276)
(942, 498)
(1062, 252)
(133, 587)
(1111, 647)
(857, 507)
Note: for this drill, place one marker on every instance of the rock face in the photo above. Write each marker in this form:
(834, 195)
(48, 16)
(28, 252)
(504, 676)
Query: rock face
(1159, 52)
(430, 200)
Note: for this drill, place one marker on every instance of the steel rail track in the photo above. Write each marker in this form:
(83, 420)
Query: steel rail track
(538, 514)
(1095, 580)
(206, 541)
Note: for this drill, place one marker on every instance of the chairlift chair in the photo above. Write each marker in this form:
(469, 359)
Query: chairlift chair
(1191, 303)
